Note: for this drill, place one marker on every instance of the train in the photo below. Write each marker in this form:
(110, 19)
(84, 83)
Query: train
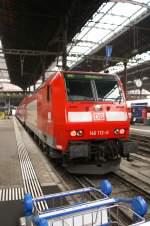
(139, 111)
(82, 120)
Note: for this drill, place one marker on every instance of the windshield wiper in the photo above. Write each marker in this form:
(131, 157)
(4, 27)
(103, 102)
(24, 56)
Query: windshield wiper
(113, 98)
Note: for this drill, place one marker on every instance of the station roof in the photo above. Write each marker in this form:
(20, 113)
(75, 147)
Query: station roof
(124, 26)
(32, 25)
(38, 25)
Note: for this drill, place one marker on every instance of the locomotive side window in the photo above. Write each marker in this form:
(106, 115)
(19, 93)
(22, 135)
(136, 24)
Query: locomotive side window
(48, 93)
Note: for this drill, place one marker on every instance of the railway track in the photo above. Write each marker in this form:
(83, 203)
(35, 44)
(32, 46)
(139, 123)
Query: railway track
(122, 187)
(85, 181)
(143, 143)
(124, 183)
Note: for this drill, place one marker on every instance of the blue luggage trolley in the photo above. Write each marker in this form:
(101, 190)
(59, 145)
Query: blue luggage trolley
(84, 207)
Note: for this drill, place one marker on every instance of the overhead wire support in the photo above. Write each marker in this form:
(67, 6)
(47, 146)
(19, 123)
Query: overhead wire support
(27, 52)
(22, 52)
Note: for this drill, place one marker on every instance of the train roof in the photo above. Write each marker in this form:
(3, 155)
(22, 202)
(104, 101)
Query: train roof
(88, 73)
(76, 72)
(73, 72)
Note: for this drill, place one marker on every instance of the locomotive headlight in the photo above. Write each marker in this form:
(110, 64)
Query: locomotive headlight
(122, 131)
(73, 133)
(76, 133)
(116, 131)
(119, 131)
(80, 133)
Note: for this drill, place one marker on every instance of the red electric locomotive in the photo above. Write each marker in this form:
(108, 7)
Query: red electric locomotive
(81, 118)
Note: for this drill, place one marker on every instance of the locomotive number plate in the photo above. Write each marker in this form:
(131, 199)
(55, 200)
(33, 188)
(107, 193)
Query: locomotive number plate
(98, 132)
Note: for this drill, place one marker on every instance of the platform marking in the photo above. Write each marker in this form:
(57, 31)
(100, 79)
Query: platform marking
(10, 194)
(30, 180)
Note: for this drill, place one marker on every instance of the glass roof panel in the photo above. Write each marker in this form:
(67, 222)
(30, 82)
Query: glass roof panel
(86, 43)
(96, 34)
(98, 16)
(3, 66)
(136, 14)
(84, 30)
(107, 22)
(116, 19)
(107, 25)
(79, 49)
(126, 9)
(106, 7)
(91, 23)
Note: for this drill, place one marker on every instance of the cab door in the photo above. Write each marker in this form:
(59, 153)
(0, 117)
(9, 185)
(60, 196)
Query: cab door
(48, 110)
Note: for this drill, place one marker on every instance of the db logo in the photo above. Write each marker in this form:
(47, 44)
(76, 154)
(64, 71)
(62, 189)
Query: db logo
(98, 116)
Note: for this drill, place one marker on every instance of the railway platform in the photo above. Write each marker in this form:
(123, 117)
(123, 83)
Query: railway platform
(140, 129)
(23, 169)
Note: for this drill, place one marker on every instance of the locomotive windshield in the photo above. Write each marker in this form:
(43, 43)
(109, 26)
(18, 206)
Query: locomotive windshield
(92, 88)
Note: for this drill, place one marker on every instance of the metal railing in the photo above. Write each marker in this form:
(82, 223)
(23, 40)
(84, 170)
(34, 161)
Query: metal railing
(109, 216)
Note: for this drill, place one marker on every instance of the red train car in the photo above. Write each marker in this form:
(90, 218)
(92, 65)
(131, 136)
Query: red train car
(81, 118)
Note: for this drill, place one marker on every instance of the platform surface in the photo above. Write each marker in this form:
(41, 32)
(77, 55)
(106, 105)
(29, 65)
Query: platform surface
(140, 130)
(18, 155)
(10, 173)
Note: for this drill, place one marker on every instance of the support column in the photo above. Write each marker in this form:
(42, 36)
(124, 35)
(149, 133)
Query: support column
(43, 70)
(125, 78)
(64, 55)
(22, 64)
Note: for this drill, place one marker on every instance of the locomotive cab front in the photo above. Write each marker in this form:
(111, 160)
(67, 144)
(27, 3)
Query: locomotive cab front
(97, 123)
(80, 118)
